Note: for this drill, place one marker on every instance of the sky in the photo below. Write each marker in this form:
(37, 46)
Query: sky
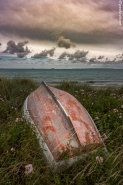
(61, 33)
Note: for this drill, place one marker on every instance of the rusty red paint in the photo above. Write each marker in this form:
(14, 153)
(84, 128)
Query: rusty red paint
(78, 115)
(52, 124)
(49, 128)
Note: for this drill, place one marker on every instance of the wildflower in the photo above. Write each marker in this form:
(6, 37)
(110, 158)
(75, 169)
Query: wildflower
(28, 169)
(97, 117)
(2, 99)
(92, 134)
(76, 91)
(104, 137)
(99, 159)
(115, 110)
(121, 106)
(12, 149)
(17, 119)
(82, 90)
(120, 117)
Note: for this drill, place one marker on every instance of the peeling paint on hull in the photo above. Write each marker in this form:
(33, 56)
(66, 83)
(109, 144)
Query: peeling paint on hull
(61, 123)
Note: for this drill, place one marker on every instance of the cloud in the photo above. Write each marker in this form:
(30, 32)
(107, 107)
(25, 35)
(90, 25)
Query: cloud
(108, 6)
(82, 60)
(81, 21)
(51, 52)
(100, 57)
(114, 60)
(119, 56)
(70, 56)
(78, 55)
(66, 43)
(56, 35)
(18, 48)
(63, 55)
(22, 54)
(93, 60)
(105, 61)
(44, 53)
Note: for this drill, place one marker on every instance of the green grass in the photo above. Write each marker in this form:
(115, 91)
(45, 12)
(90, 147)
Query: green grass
(19, 146)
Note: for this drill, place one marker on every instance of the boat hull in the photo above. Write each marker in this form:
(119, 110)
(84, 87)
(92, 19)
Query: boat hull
(62, 124)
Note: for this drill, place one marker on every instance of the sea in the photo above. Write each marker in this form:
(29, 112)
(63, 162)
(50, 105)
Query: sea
(93, 77)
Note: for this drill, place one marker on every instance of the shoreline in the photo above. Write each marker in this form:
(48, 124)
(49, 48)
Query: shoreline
(96, 87)
(106, 87)
(58, 83)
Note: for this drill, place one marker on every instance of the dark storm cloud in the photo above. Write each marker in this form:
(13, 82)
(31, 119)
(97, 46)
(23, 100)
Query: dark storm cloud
(80, 21)
(18, 48)
(44, 53)
(0, 44)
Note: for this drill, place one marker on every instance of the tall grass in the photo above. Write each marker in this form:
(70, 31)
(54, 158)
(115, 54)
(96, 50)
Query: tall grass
(19, 147)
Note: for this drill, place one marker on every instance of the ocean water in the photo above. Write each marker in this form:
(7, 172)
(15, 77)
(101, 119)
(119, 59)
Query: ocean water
(94, 77)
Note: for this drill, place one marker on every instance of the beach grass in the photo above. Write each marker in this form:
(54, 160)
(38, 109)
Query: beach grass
(21, 159)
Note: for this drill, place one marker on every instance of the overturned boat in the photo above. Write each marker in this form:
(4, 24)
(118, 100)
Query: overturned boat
(63, 125)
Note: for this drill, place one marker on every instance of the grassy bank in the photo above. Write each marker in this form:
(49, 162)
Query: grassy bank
(19, 147)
